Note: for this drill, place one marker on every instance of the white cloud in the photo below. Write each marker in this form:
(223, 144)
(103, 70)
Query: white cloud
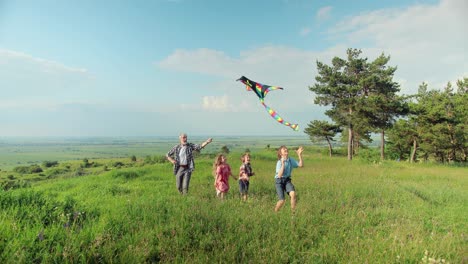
(28, 62)
(216, 103)
(25, 76)
(323, 13)
(204, 61)
(273, 65)
(294, 69)
(291, 68)
(426, 42)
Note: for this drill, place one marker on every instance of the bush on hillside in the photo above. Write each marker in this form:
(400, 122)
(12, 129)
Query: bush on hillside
(56, 171)
(87, 164)
(225, 150)
(148, 160)
(160, 159)
(79, 172)
(10, 185)
(127, 174)
(371, 155)
(48, 164)
(21, 169)
(28, 169)
(155, 159)
(118, 164)
(35, 168)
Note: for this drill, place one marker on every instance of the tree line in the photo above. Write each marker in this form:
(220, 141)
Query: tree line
(362, 99)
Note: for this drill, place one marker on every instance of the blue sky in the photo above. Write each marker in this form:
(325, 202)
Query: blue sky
(161, 67)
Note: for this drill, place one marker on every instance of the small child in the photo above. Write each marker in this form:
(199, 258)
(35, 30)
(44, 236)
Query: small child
(222, 171)
(244, 176)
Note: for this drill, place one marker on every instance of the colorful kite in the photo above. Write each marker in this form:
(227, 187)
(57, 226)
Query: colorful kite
(261, 90)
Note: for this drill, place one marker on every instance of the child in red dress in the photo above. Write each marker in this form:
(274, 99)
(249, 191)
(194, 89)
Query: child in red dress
(222, 171)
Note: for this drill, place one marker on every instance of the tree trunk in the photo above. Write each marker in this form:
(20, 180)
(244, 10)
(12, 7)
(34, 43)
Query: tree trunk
(382, 145)
(350, 136)
(350, 142)
(356, 145)
(330, 150)
(413, 152)
(451, 156)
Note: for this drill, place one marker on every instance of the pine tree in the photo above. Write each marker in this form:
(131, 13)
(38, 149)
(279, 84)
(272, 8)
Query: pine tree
(322, 130)
(340, 86)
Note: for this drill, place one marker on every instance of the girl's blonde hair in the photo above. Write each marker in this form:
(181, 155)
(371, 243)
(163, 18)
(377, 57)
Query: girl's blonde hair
(217, 162)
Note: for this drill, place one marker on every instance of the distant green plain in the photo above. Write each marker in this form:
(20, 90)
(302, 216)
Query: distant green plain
(24, 151)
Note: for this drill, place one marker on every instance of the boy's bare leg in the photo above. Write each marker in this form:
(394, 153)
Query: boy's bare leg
(293, 200)
(279, 204)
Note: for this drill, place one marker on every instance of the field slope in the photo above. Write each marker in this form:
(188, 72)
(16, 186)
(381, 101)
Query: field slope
(348, 212)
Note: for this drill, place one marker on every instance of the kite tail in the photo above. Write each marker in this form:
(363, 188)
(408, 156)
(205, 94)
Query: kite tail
(271, 88)
(278, 118)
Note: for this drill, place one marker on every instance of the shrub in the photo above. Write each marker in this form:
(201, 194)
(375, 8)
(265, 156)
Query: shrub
(127, 174)
(21, 169)
(28, 169)
(79, 172)
(56, 171)
(35, 169)
(160, 159)
(118, 164)
(148, 160)
(155, 159)
(225, 150)
(48, 164)
(9, 185)
(369, 155)
(87, 164)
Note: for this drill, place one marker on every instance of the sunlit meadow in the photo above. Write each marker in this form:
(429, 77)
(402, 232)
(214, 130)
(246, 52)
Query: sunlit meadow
(348, 212)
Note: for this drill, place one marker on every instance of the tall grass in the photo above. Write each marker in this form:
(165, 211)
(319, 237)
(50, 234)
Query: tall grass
(348, 212)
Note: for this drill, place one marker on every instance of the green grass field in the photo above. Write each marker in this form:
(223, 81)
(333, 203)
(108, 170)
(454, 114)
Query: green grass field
(347, 212)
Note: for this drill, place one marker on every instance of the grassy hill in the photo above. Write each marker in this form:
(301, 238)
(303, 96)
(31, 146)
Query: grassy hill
(348, 212)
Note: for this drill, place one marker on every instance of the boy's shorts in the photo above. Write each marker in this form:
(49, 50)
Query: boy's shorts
(244, 187)
(283, 185)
